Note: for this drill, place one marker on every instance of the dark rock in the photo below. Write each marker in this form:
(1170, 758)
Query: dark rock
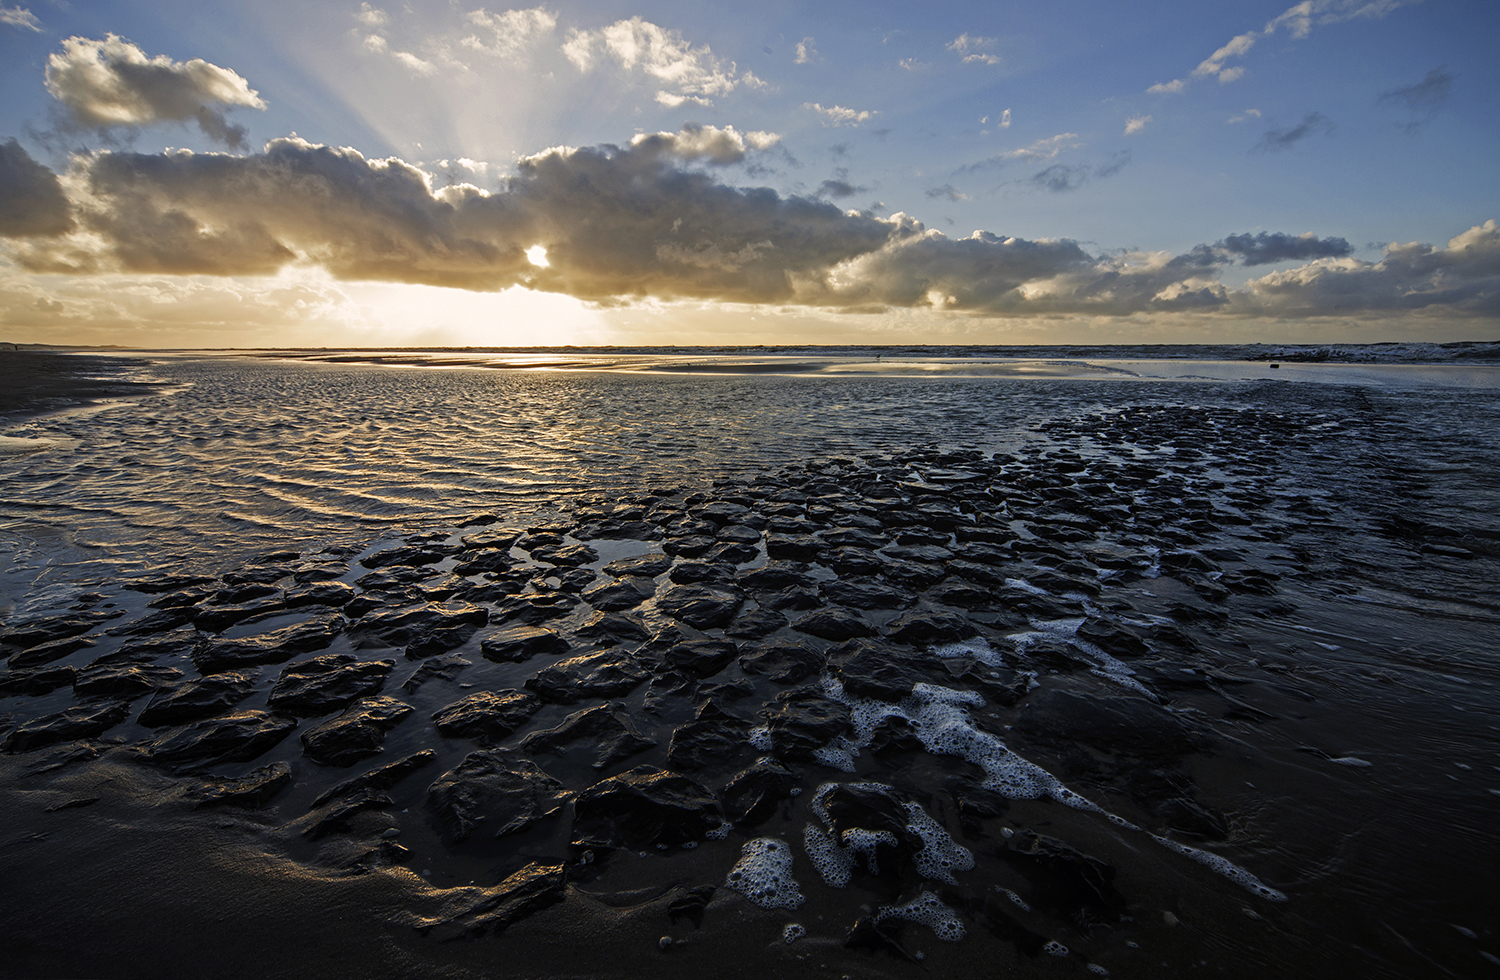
(470, 911)
(691, 905)
(833, 624)
(83, 750)
(439, 640)
(334, 594)
(775, 576)
(518, 644)
(254, 789)
(793, 598)
(156, 584)
(643, 566)
(870, 669)
(495, 788)
(793, 547)
(714, 741)
(865, 806)
(606, 674)
(481, 562)
(997, 918)
(803, 721)
(535, 607)
(1065, 883)
(882, 937)
(894, 734)
(853, 561)
(866, 594)
(405, 556)
(752, 795)
(702, 658)
(356, 734)
(395, 580)
(491, 537)
(695, 572)
(722, 512)
(612, 629)
(645, 807)
(38, 681)
(1117, 641)
(929, 554)
(405, 624)
(690, 546)
(336, 815)
(731, 553)
(123, 674)
(626, 593)
(702, 607)
(45, 653)
(382, 778)
(738, 534)
(278, 646)
(607, 730)
(925, 627)
(755, 624)
(237, 737)
(198, 698)
(783, 663)
(853, 538)
(913, 575)
(964, 595)
(213, 619)
(566, 556)
(46, 629)
(1123, 724)
(445, 668)
(326, 683)
(78, 722)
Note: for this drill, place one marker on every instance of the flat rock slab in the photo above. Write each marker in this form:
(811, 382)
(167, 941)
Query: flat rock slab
(607, 731)
(625, 593)
(803, 721)
(701, 606)
(470, 911)
(255, 788)
(486, 715)
(381, 778)
(212, 618)
(775, 576)
(710, 742)
(497, 790)
(237, 737)
(123, 674)
(833, 624)
(80, 721)
(327, 683)
(607, 674)
(356, 734)
(275, 647)
(754, 793)
(866, 594)
(45, 653)
(782, 663)
(702, 658)
(201, 697)
(871, 669)
(925, 627)
(34, 632)
(402, 625)
(645, 807)
(643, 566)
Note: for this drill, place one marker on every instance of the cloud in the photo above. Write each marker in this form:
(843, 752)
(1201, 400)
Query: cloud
(372, 17)
(707, 143)
(1043, 149)
(1246, 115)
(971, 49)
(20, 17)
(112, 83)
(1423, 99)
(839, 116)
(806, 53)
(1276, 140)
(625, 224)
(948, 191)
(511, 34)
(1136, 124)
(1264, 249)
(1059, 178)
(686, 73)
(32, 202)
(1003, 122)
(1297, 19)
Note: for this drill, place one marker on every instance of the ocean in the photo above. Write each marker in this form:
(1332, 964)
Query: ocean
(1147, 661)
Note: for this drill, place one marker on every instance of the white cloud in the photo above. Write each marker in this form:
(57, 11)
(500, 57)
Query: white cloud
(1167, 88)
(965, 43)
(415, 64)
(112, 82)
(1135, 124)
(806, 53)
(686, 73)
(1246, 115)
(839, 116)
(372, 17)
(512, 34)
(20, 17)
(1045, 149)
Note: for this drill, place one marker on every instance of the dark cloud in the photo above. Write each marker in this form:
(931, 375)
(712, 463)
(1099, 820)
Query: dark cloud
(839, 186)
(1264, 249)
(648, 221)
(1113, 165)
(839, 149)
(1060, 178)
(109, 84)
(1425, 96)
(1284, 139)
(32, 202)
(948, 191)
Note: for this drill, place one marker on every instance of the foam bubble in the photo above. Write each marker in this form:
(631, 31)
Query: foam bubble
(926, 910)
(760, 738)
(1225, 867)
(793, 932)
(1055, 948)
(835, 864)
(940, 855)
(978, 648)
(763, 874)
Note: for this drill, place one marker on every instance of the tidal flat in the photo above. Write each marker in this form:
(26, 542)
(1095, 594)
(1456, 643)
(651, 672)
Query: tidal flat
(751, 664)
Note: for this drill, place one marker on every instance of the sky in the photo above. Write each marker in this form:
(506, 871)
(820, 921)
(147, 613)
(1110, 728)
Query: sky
(437, 172)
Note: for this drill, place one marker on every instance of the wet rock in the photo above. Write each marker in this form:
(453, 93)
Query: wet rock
(157, 584)
(439, 640)
(211, 618)
(925, 627)
(254, 789)
(381, 778)
(491, 537)
(793, 547)
(964, 595)
(997, 918)
(698, 572)
(535, 607)
(607, 731)
(1065, 883)
(738, 534)
(867, 806)
(37, 681)
(45, 653)
(319, 572)
(853, 561)
(626, 593)
(775, 576)
(123, 674)
(46, 629)
(1121, 724)
(645, 807)
(782, 663)
(403, 625)
(871, 669)
(612, 629)
(702, 607)
(201, 697)
(1117, 641)
(791, 599)
(409, 556)
(731, 553)
(688, 546)
(494, 562)
(715, 739)
(278, 646)
(236, 737)
(755, 624)
(334, 594)
(802, 721)
(495, 789)
(753, 794)
(723, 513)
(894, 734)
(702, 658)
(642, 566)
(883, 937)
(607, 674)
(848, 537)
(913, 575)
(336, 815)
(467, 912)
(356, 734)
(79, 722)
(518, 644)
(445, 667)
(833, 624)
(866, 594)
(83, 750)
(327, 683)
(566, 556)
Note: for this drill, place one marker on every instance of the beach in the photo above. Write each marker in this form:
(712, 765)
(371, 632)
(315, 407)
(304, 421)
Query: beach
(768, 663)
